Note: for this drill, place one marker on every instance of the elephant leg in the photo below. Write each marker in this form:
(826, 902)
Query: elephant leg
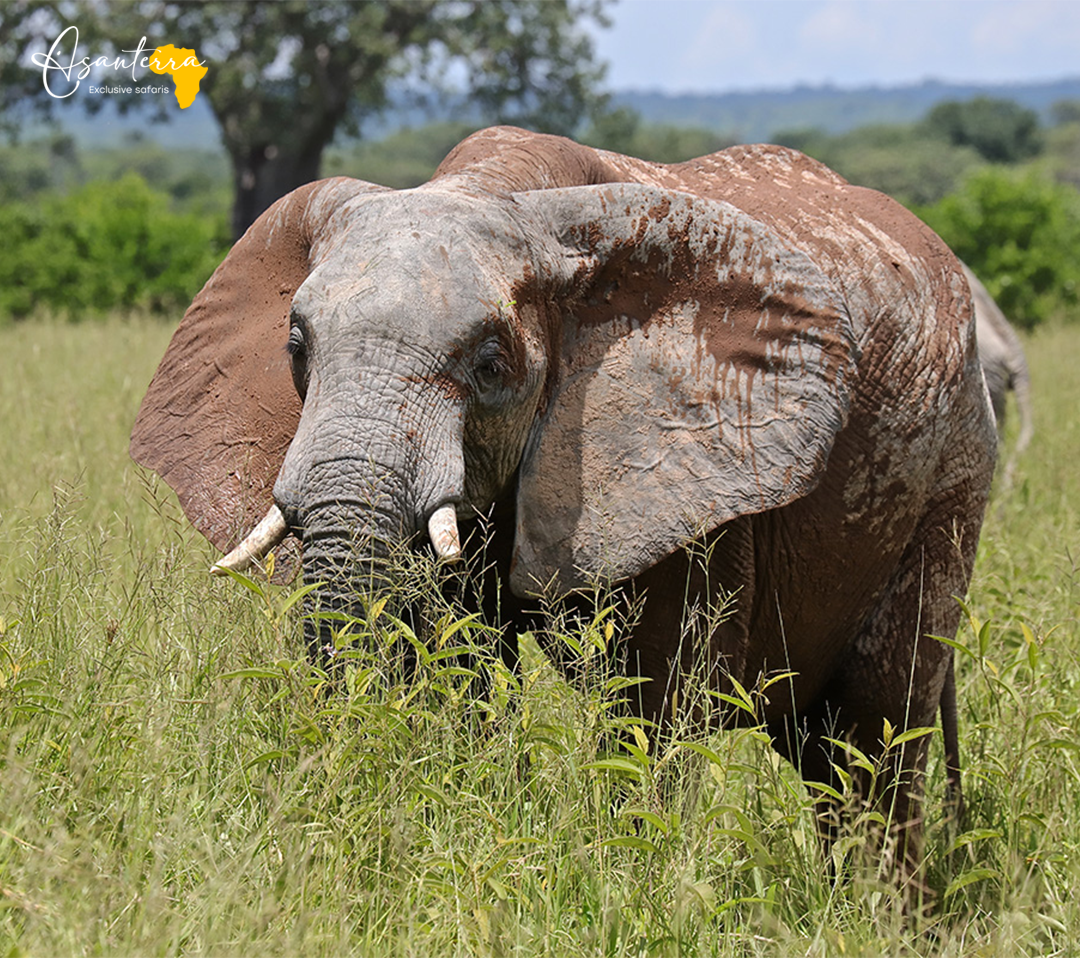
(480, 586)
(894, 670)
(686, 626)
(499, 606)
(802, 740)
(951, 738)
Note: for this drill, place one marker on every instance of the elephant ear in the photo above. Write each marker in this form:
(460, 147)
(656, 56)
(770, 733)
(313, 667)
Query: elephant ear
(221, 409)
(704, 373)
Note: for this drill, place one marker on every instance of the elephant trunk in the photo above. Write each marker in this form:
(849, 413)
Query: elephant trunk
(360, 489)
(334, 556)
(348, 557)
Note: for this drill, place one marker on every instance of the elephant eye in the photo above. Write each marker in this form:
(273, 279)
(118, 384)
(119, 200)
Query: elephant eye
(491, 367)
(296, 345)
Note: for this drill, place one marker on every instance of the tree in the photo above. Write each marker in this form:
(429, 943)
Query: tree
(286, 77)
(1001, 130)
(1019, 232)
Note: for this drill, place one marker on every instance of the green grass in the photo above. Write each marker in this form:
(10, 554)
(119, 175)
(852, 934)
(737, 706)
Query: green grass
(175, 779)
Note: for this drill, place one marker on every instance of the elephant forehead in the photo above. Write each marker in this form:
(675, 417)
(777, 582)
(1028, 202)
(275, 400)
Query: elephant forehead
(442, 227)
(408, 260)
(404, 292)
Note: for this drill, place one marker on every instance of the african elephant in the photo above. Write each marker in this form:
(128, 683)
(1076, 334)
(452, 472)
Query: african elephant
(1004, 365)
(615, 361)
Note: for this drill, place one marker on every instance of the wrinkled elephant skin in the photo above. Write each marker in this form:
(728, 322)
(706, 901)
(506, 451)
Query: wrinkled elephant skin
(615, 359)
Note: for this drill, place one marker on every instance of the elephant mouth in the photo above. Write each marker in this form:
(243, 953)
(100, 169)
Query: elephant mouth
(272, 529)
(336, 598)
(370, 592)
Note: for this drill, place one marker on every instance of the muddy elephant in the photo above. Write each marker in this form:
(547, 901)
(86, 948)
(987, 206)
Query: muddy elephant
(1004, 366)
(626, 366)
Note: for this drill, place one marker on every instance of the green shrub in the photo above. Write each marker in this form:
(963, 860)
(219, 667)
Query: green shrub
(107, 245)
(1020, 233)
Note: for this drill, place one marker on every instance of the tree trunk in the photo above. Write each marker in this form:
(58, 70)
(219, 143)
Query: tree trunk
(265, 173)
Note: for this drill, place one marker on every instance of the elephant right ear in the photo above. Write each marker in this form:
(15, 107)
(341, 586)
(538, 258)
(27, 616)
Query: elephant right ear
(703, 371)
(221, 409)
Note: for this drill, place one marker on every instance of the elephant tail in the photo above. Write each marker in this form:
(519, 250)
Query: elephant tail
(950, 732)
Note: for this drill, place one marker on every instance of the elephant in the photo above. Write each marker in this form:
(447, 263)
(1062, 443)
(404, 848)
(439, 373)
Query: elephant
(736, 372)
(1004, 366)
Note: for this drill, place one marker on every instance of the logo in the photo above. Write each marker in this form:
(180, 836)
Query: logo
(181, 64)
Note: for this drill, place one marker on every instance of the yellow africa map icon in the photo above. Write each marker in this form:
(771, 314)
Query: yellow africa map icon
(183, 66)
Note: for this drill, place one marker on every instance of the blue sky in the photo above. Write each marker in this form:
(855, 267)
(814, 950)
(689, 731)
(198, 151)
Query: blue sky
(722, 45)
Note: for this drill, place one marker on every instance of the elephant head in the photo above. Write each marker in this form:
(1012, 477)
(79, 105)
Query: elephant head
(613, 367)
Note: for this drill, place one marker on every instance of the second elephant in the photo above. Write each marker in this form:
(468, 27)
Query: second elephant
(1004, 366)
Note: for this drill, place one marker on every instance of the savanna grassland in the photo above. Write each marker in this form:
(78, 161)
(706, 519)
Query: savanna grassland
(175, 779)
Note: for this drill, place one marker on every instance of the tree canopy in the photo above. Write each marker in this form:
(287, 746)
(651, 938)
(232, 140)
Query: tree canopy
(286, 77)
(1001, 130)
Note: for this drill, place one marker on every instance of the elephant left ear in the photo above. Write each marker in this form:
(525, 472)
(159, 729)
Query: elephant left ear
(221, 409)
(704, 372)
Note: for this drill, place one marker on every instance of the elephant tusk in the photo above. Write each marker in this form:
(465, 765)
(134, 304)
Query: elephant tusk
(443, 530)
(270, 531)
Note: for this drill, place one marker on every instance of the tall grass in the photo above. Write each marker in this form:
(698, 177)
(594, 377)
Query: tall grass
(175, 778)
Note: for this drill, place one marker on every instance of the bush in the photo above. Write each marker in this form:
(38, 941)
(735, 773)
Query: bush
(1020, 233)
(106, 246)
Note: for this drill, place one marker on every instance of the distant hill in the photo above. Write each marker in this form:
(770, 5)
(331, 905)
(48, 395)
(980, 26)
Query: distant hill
(744, 117)
(756, 117)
